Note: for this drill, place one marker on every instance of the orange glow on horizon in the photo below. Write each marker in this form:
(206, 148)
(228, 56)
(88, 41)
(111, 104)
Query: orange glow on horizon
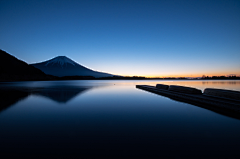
(178, 76)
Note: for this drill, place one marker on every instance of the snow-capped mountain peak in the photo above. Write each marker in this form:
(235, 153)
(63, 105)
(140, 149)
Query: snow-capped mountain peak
(63, 66)
(61, 60)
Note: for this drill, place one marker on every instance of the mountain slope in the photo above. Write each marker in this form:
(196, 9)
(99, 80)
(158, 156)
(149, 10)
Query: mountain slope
(11, 65)
(12, 69)
(63, 66)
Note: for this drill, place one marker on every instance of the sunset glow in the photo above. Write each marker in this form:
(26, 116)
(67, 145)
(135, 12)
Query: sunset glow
(129, 38)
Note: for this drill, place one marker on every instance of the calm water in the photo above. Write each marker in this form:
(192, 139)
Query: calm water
(111, 119)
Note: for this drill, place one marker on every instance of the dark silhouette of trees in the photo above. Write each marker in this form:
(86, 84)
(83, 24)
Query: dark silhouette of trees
(220, 77)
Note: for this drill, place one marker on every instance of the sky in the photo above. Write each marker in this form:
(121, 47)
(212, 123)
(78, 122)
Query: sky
(153, 38)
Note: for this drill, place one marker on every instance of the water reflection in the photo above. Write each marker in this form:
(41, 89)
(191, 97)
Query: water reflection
(60, 94)
(109, 122)
(221, 82)
(10, 97)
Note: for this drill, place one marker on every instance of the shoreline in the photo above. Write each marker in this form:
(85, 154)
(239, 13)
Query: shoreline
(121, 79)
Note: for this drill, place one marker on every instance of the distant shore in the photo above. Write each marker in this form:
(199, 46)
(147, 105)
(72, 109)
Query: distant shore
(54, 78)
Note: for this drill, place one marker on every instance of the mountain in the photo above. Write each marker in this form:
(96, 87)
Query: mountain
(12, 69)
(63, 66)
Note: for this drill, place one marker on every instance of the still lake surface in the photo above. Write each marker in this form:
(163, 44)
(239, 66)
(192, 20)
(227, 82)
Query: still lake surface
(112, 118)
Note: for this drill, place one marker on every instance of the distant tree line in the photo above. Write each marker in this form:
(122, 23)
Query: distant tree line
(142, 78)
(123, 77)
(101, 78)
(221, 77)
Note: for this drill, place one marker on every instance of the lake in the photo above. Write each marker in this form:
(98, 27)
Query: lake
(112, 119)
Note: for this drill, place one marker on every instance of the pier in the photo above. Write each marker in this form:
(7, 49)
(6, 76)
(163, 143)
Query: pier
(221, 101)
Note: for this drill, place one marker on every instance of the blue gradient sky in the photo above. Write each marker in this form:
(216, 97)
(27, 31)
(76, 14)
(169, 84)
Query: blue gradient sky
(148, 38)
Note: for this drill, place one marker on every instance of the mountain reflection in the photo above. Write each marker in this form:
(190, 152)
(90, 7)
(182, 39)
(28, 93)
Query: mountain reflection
(60, 94)
(10, 97)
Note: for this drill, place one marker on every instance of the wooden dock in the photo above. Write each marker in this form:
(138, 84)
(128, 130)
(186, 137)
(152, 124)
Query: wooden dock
(219, 104)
